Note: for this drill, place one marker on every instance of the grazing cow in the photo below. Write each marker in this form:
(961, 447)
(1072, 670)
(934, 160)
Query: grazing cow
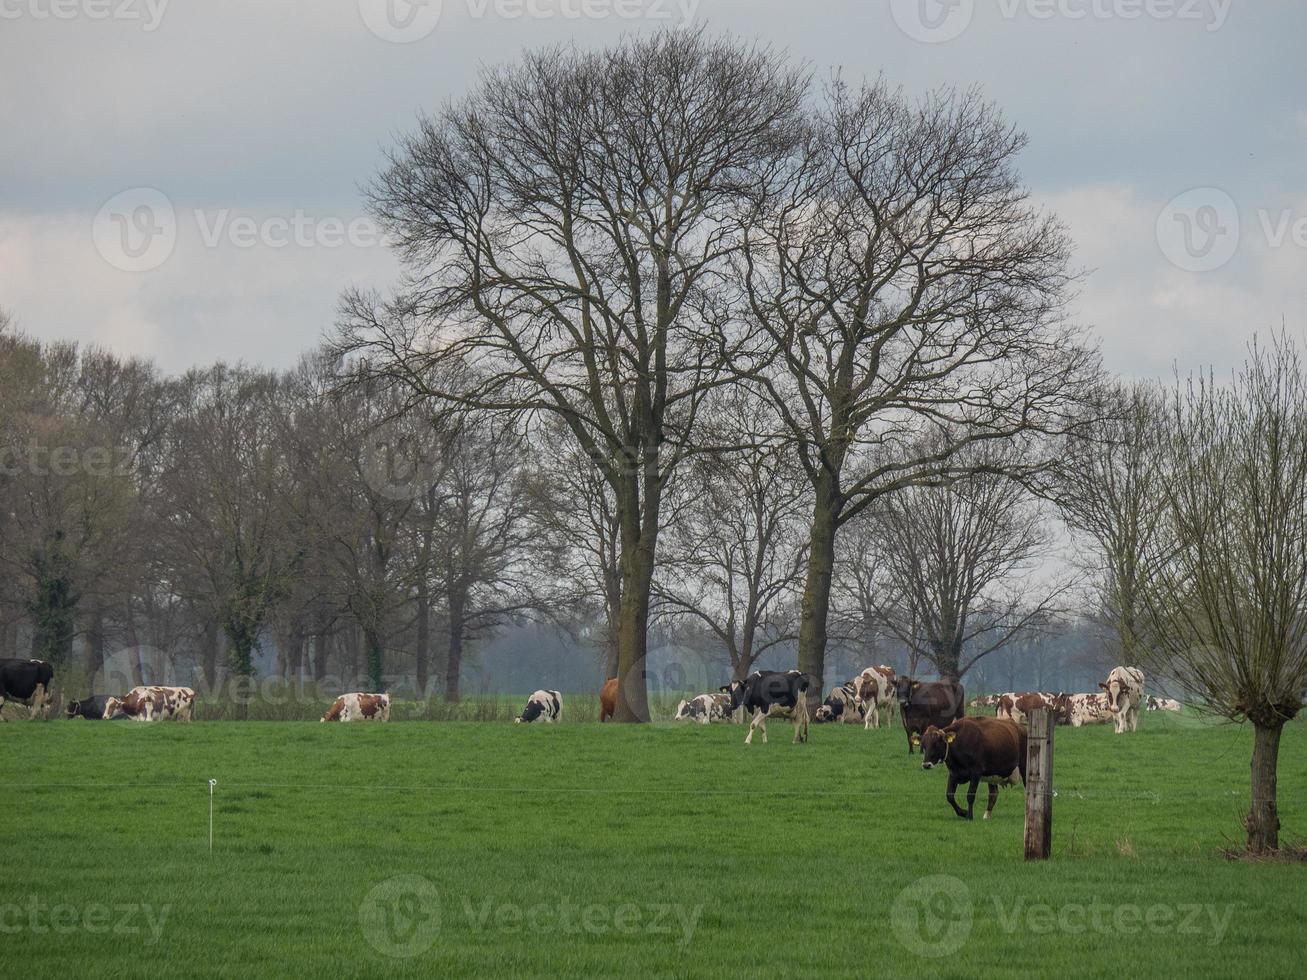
(926, 703)
(608, 699)
(876, 690)
(1163, 704)
(771, 693)
(842, 705)
(153, 703)
(546, 706)
(27, 681)
(1086, 709)
(94, 708)
(976, 750)
(704, 709)
(988, 700)
(359, 707)
(1125, 696)
(1016, 707)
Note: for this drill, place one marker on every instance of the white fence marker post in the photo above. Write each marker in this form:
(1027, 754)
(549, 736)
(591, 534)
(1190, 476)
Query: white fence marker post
(212, 783)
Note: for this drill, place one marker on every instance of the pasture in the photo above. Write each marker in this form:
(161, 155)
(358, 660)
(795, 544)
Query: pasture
(588, 850)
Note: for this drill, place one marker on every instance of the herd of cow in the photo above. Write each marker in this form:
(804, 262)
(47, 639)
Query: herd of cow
(974, 749)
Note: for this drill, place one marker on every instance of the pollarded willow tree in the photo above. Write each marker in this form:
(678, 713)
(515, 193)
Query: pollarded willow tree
(567, 229)
(911, 290)
(1226, 599)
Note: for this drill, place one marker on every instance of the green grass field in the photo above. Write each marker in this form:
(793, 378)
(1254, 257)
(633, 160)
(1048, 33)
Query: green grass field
(588, 850)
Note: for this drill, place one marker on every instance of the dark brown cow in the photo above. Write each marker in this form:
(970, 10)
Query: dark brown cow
(991, 750)
(608, 699)
(926, 703)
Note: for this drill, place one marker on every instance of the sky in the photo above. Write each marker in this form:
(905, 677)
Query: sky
(180, 179)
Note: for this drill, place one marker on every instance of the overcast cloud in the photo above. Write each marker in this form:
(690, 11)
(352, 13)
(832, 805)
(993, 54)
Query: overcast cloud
(253, 123)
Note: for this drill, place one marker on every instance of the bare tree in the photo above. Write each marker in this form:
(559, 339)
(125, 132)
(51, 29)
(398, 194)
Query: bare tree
(960, 563)
(910, 289)
(1226, 598)
(576, 520)
(567, 227)
(735, 550)
(226, 515)
(1107, 482)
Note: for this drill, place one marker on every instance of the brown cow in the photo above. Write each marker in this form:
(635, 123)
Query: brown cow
(922, 704)
(991, 750)
(608, 699)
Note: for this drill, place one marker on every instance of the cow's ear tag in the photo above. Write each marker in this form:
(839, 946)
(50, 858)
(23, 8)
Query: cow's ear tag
(916, 739)
(950, 737)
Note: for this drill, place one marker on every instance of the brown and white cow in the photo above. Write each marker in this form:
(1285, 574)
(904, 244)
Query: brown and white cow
(1163, 704)
(152, 703)
(359, 707)
(1125, 696)
(1086, 709)
(976, 750)
(876, 691)
(1017, 707)
(988, 700)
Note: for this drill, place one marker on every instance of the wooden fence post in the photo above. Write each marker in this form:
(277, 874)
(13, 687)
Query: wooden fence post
(1039, 785)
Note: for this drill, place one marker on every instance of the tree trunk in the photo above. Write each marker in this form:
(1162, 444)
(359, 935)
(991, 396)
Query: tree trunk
(457, 627)
(94, 647)
(212, 645)
(816, 593)
(376, 666)
(422, 650)
(633, 634)
(1263, 822)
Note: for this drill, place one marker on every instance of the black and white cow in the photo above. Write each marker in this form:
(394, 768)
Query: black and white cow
(94, 708)
(546, 706)
(771, 693)
(27, 681)
(704, 709)
(843, 705)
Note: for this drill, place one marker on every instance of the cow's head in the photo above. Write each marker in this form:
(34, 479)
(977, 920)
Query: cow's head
(904, 688)
(934, 743)
(74, 709)
(531, 712)
(1116, 690)
(735, 691)
(113, 708)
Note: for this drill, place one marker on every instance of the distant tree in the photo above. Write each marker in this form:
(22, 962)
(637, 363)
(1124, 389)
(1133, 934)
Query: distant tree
(735, 547)
(226, 513)
(576, 518)
(960, 563)
(1226, 596)
(1108, 483)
